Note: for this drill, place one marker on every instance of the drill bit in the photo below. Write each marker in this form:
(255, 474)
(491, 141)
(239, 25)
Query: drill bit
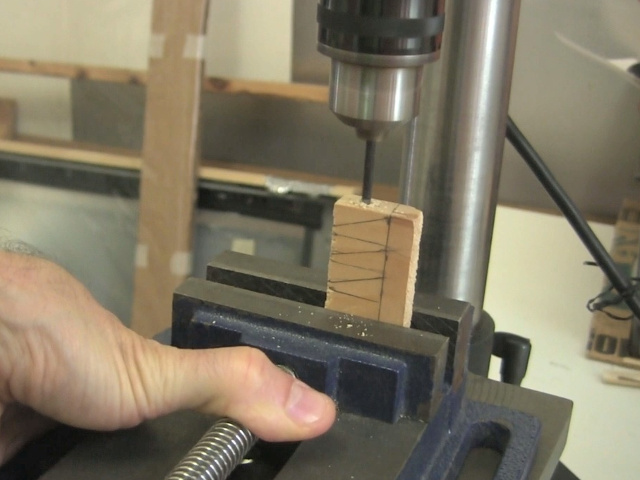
(367, 181)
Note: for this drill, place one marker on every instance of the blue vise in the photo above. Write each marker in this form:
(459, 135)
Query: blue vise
(408, 408)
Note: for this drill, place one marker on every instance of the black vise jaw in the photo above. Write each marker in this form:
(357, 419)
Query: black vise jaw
(369, 368)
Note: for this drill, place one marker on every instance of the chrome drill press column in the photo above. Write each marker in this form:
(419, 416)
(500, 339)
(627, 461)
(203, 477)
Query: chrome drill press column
(374, 100)
(460, 145)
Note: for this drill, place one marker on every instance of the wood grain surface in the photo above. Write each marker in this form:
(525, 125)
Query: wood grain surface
(170, 162)
(373, 261)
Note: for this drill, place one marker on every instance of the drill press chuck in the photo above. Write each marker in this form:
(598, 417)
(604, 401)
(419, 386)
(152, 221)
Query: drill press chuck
(378, 49)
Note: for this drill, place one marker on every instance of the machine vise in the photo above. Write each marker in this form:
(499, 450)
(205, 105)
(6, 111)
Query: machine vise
(408, 408)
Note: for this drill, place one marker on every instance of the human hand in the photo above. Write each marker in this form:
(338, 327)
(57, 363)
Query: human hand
(64, 358)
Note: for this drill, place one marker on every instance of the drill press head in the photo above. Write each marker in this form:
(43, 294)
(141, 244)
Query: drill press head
(378, 49)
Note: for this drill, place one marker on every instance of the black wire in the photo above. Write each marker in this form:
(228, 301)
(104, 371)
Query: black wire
(608, 298)
(619, 281)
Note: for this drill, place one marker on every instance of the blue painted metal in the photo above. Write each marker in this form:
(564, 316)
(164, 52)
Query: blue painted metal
(458, 429)
(371, 369)
(412, 380)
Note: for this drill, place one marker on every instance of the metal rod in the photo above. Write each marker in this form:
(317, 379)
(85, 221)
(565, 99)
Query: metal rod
(216, 454)
(464, 142)
(369, 160)
(220, 450)
(418, 146)
(408, 168)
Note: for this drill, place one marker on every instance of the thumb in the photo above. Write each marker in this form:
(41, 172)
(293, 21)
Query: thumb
(242, 383)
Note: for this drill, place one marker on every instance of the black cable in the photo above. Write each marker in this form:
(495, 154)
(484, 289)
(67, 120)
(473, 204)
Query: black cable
(618, 280)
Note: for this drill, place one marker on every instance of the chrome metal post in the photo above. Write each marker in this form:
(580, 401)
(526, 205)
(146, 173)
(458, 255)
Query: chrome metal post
(420, 140)
(460, 147)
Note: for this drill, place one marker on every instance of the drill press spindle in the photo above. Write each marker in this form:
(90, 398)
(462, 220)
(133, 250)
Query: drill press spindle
(378, 49)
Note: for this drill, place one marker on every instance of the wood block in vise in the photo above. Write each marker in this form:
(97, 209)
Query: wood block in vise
(373, 260)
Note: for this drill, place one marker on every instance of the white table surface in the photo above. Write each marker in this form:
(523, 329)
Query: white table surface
(538, 288)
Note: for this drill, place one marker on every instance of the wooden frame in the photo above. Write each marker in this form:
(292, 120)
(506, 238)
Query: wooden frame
(293, 91)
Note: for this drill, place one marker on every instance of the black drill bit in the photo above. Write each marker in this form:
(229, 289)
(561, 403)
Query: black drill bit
(367, 181)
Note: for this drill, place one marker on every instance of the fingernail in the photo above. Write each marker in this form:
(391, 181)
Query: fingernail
(304, 404)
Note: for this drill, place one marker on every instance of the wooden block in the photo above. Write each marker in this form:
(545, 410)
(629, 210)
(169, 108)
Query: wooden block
(8, 118)
(374, 258)
(624, 378)
(170, 160)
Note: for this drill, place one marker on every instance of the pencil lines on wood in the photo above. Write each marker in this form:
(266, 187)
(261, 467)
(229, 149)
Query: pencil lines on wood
(373, 249)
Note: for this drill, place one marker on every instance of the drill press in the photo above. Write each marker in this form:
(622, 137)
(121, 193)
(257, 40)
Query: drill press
(378, 49)
(407, 388)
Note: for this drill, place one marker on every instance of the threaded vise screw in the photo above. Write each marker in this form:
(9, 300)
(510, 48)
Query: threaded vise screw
(219, 451)
(216, 454)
